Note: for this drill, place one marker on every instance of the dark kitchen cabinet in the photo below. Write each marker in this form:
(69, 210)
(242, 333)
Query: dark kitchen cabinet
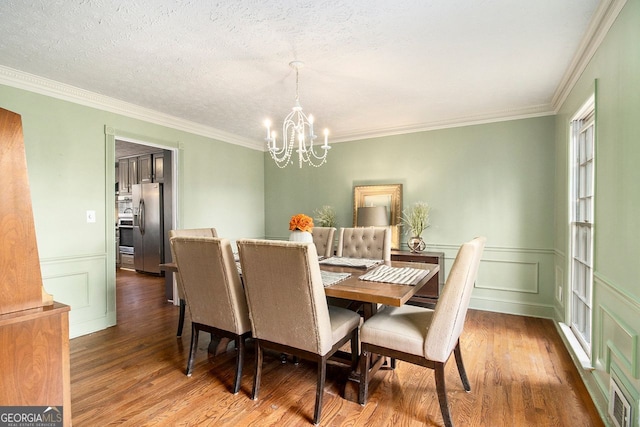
(133, 173)
(158, 167)
(145, 169)
(127, 174)
(151, 168)
(140, 170)
(123, 176)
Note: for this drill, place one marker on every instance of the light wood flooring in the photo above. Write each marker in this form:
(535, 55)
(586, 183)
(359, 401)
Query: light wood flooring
(133, 374)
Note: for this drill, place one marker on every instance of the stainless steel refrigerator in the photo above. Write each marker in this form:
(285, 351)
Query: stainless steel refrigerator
(147, 227)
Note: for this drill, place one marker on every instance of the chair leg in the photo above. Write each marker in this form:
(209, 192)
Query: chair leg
(363, 390)
(258, 373)
(194, 347)
(181, 318)
(442, 394)
(322, 374)
(463, 373)
(239, 363)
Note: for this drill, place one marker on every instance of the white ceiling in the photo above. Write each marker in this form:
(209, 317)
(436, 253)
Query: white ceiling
(372, 67)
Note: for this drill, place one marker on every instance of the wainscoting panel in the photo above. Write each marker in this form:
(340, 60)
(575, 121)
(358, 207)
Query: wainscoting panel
(512, 280)
(512, 276)
(616, 340)
(616, 328)
(80, 283)
(619, 338)
(70, 287)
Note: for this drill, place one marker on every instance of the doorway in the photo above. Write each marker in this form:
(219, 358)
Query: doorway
(141, 165)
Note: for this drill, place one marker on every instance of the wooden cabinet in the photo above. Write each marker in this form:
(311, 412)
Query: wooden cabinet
(35, 359)
(429, 293)
(34, 331)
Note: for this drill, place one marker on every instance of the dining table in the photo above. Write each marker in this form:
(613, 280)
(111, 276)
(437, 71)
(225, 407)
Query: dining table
(370, 293)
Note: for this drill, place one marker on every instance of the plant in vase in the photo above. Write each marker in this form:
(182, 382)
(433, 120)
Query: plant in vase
(325, 216)
(416, 220)
(301, 226)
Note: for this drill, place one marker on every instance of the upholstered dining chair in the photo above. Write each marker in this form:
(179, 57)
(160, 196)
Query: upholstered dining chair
(424, 336)
(191, 232)
(214, 293)
(323, 239)
(365, 242)
(289, 311)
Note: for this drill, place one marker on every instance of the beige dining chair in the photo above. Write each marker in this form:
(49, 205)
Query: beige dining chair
(423, 336)
(365, 242)
(289, 311)
(323, 239)
(190, 232)
(214, 293)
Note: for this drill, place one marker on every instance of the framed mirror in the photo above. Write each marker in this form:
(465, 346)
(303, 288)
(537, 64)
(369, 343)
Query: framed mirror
(389, 196)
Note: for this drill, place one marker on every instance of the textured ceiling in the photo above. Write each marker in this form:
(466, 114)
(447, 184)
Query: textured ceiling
(372, 67)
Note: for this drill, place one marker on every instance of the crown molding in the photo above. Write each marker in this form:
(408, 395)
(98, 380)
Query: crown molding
(497, 116)
(54, 89)
(602, 20)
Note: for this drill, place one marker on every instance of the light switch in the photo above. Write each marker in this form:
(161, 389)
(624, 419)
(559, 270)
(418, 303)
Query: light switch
(91, 216)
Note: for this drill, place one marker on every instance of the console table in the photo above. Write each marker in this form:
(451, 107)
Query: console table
(430, 292)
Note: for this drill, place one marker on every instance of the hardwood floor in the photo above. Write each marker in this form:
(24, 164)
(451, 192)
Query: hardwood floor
(133, 374)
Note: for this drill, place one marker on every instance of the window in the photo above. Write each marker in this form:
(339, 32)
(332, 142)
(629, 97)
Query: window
(582, 157)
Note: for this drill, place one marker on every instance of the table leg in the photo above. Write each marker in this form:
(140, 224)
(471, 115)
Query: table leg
(353, 381)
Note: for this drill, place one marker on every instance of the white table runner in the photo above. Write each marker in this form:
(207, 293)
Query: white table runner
(398, 275)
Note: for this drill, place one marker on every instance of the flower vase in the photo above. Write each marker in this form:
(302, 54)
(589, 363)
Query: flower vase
(416, 244)
(301, 236)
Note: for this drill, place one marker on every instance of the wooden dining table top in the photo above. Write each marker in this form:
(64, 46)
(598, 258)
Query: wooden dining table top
(355, 289)
(392, 294)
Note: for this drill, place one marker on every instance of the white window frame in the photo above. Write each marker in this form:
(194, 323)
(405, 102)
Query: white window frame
(581, 219)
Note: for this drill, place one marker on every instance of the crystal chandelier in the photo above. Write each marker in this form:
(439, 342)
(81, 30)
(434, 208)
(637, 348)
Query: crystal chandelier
(297, 130)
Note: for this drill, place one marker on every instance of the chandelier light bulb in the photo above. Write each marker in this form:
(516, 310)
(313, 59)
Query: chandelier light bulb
(267, 124)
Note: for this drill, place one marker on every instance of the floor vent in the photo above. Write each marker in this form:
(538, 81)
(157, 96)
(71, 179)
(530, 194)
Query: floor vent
(619, 406)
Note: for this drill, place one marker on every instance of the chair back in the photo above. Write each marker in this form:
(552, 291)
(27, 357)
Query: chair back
(211, 284)
(194, 232)
(365, 242)
(190, 232)
(451, 309)
(284, 289)
(323, 239)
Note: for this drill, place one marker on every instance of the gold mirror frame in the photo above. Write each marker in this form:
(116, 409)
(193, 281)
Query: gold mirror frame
(389, 195)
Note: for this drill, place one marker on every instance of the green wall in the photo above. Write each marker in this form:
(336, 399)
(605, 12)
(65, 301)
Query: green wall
(494, 180)
(506, 180)
(70, 160)
(614, 75)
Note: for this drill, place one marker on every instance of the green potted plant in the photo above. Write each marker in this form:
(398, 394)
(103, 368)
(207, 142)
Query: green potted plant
(325, 216)
(415, 219)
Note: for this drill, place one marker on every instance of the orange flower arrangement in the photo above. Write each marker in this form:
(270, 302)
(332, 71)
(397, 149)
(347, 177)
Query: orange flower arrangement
(301, 222)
